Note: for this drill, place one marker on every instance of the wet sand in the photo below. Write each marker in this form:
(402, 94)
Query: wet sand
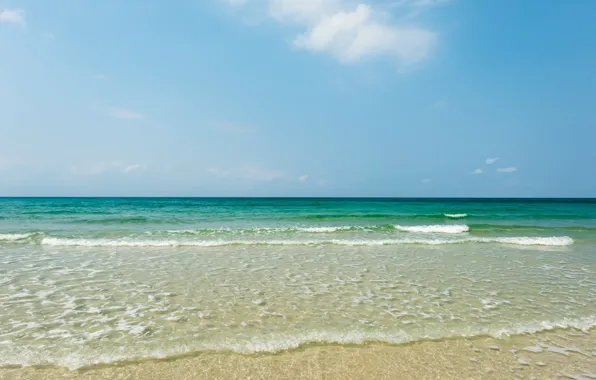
(569, 354)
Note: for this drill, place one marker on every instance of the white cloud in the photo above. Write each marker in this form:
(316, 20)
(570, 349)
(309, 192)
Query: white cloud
(351, 34)
(120, 113)
(132, 168)
(14, 16)
(303, 178)
(100, 168)
(101, 76)
(427, 180)
(477, 171)
(507, 170)
(490, 161)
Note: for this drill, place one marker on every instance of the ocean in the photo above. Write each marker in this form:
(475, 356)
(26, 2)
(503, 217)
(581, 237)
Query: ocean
(102, 281)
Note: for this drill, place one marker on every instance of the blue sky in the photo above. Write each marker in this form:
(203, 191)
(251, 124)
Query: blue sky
(298, 98)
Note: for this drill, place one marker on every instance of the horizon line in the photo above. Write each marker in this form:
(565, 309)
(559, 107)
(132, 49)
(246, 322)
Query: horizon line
(283, 197)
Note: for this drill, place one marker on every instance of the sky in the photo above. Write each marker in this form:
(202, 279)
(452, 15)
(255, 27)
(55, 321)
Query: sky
(396, 98)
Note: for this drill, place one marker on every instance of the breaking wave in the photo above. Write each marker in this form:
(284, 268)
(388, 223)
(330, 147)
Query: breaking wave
(524, 240)
(455, 216)
(445, 229)
(274, 343)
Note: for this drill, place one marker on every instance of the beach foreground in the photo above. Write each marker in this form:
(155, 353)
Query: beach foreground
(296, 288)
(569, 354)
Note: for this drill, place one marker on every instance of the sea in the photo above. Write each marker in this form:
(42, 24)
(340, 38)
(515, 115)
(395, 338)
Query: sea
(101, 281)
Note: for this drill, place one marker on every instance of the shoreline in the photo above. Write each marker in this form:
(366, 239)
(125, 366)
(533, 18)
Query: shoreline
(546, 355)
(274, 348)
(108, 289)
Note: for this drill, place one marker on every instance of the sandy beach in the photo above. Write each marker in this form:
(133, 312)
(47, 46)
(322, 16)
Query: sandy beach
(296, 289)
(297, 189)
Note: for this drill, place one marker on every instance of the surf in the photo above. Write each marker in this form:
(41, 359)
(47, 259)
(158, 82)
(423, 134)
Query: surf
(524, 240)
(445, 229)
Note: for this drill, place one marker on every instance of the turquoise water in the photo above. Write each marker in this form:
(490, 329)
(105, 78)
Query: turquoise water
(89, 280)
(189, 220)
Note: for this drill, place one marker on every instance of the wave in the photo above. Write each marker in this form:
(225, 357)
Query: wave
(387, 229)
(257, 230)
(549, 241)
(529, 227)
(275, 344)
(15, 237)
(445, 229)
(480, 213)
(541, 241)
(279, 342)
(329, 229)
(455, 216)
(365, 216)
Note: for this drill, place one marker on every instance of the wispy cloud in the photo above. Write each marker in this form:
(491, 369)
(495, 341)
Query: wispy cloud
(490, 161)
(303, 178)
(477, 171)
(100, 168)
(507, 170)
(14, 16)
(350, 33)
(120, 113)
(132, 168)
(101, 76)
(427, 180)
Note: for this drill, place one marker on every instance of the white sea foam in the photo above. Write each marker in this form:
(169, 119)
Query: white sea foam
(544, 241)
(284, 342)
(553, 240)
(444, 229)
(279, 342)
(325, 229)
(456, 216)
(584, 324)
(319, 229)
(14, 237)
(137, 243)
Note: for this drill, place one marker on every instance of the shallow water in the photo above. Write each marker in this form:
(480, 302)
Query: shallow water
(96, 281)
